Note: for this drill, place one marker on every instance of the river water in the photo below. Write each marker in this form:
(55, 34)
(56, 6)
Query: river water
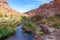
(20, 35)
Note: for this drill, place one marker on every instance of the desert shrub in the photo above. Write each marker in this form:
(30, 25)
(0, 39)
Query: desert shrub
(28, 23)
(5, 32)
(52, 18)
(8, 24)
(40, 32)
(54, 21)
(56, 25)
(58, 15)
(43, 21)
(36, 18)
(0, 15)
(6, 15)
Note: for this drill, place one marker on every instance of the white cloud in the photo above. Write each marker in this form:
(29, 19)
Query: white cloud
(43, 0)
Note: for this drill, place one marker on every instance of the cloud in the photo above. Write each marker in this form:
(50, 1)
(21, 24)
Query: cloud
(43, 1)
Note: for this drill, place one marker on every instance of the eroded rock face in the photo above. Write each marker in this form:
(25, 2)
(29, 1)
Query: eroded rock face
(49, 9)
(57, 1)
(4, 5)
(5, 8)
(52, 34)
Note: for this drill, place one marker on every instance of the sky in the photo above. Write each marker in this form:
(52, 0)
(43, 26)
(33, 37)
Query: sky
(26, 5)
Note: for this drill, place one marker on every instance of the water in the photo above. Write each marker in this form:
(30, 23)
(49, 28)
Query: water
(19, 35)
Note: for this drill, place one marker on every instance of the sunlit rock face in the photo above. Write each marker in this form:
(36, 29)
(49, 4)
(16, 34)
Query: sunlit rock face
(4, 4)
(2, 0)
(57, 1)
(5, 8)
(47, 9)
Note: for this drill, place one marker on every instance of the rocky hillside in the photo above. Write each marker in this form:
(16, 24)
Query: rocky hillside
(49, 9)
(46, 17)
(4, 6)
(6, 9)
(9, 19)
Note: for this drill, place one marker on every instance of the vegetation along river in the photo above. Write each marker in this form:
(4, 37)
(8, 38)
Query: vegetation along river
(20, 35)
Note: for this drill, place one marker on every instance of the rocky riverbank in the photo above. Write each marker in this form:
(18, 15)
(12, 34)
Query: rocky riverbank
(46, 18)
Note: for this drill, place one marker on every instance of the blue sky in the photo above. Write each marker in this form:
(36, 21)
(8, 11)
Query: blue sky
(26, 5)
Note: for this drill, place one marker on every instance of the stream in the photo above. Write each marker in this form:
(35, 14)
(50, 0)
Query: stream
(20, 35)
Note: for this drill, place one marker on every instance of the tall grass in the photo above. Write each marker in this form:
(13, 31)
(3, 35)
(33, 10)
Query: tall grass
(28, 24)
(8, 23)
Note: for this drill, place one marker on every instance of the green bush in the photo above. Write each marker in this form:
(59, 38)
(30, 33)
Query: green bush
(41, 32)
(56, 25)
(54, 21)
(52, 18)
(8, 25)
(28, 23)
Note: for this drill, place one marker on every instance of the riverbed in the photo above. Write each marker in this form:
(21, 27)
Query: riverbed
(20, 35)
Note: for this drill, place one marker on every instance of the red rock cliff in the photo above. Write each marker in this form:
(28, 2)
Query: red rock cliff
(50, 9)
(5, 8)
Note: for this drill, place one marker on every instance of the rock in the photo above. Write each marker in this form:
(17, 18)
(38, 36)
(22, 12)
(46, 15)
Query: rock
(47, 29)
(54, 35)
(47, 9)
(57, 34)
(5, 8)
(57, 1)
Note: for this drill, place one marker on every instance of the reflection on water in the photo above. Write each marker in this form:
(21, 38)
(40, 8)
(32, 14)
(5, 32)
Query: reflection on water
(19, 35)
